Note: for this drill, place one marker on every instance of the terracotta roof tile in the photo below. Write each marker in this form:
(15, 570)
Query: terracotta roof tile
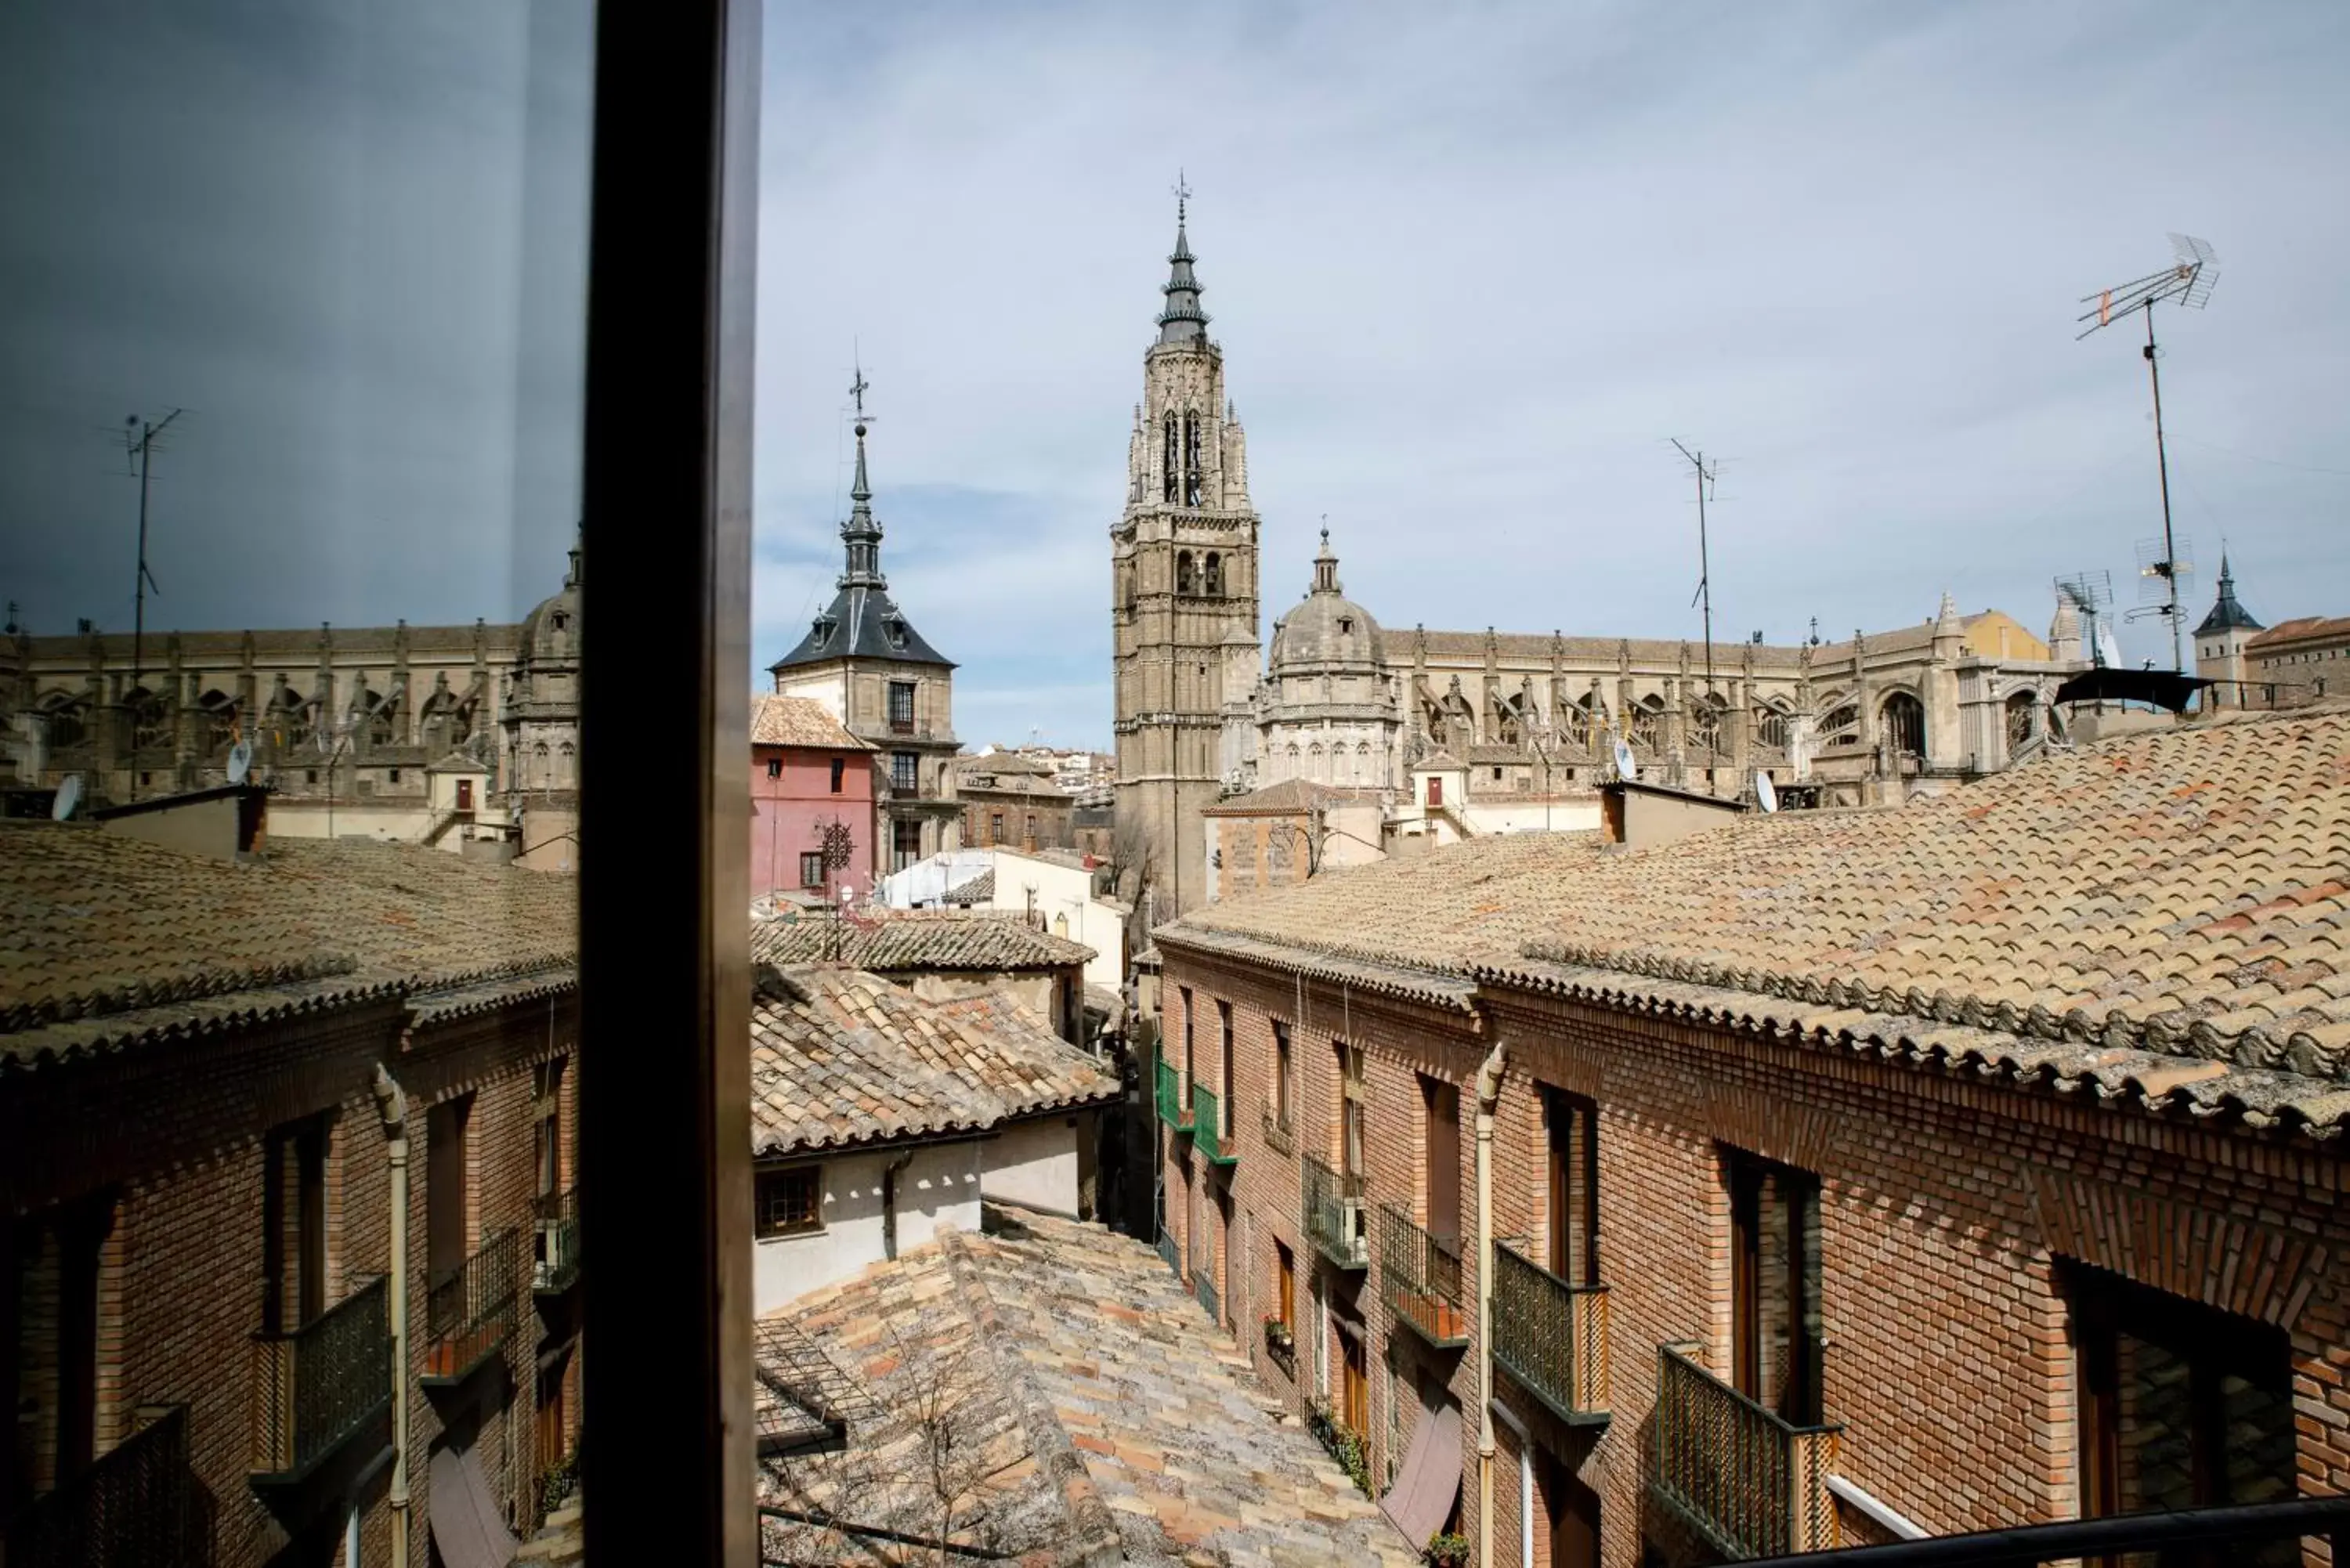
(839, 1056)
(799, 721)
(109, 939)
(2139, 893)
(905, 940)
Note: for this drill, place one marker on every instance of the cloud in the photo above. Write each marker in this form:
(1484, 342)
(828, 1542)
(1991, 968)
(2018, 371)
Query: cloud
(1470, 265)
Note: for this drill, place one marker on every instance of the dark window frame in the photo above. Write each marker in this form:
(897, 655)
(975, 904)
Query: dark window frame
(789, 1202)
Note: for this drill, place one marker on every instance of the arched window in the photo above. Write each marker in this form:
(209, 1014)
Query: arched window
(1184, 584)
(1293, 760)
(539, 767)
(1213, 583)
(568, 773)
(1173, 468)
(1770, 725)
(383, 729)
(1903, 721)
(150, 719)
(1649, 722)
(68, 720)
(1314, 763)
(220, 727)
(1842, 726)
(1191, 460)
(2023, 717)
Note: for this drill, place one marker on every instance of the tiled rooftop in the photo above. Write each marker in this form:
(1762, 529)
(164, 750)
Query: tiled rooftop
(1144, 1429)
(799, 721)
(109, 939)
(1290, 797)
(903, 940)
(840, 1057)
(2179, 893)
(977, 891)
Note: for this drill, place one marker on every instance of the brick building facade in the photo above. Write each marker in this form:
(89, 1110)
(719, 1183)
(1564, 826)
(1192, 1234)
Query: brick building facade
(205, 1063)
(1873, 1174)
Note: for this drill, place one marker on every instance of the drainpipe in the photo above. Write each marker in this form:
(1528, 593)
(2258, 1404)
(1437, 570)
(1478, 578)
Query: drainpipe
(1489, 1089)
(391, 1104)
(889, 1204)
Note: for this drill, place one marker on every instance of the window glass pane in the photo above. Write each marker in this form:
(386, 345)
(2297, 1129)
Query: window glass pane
(294, 304)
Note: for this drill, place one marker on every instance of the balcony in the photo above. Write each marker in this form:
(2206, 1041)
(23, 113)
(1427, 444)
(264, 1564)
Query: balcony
(1208, 1136)
(470, 1311)
(1278, 1135)
(1751, 1484)
(1421, 1281)
(1204, 1287)
(1169, 1253)
(1333, 1212)
(556, 1269)
(1172, 1110)
(135, 1507)
(316, 1386)
(1551, 1336)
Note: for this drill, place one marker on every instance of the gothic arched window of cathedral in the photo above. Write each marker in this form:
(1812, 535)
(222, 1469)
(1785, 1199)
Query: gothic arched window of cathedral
(1184, 581)
(1191, 460)
(1212, 582)
(1174, 462)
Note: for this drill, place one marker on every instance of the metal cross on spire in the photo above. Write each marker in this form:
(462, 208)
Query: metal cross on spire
(860, 385)
(1183, 192)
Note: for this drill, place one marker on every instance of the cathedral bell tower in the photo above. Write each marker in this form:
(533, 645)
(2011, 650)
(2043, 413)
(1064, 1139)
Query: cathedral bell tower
(1183, 593)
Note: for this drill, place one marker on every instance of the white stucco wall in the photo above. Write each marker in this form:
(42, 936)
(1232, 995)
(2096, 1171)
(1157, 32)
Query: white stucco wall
(1034, 1164)
(941, 1183)
(1067, 891)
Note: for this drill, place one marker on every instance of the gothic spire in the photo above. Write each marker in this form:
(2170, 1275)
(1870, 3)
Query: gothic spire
(1182, 321)
(862, 532)
(2227, 615)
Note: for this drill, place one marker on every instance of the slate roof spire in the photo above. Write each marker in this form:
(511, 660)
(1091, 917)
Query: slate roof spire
(2227, 615)
(862, 531)
(1182, 320)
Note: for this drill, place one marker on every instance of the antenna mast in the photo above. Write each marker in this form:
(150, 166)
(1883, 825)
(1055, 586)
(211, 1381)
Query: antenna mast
(2189, 280)
(1705, 478)
(141, 449)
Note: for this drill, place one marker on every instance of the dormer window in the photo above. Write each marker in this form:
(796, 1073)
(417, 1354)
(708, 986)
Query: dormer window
(895, 630)
(561, 621)
(1345, 626)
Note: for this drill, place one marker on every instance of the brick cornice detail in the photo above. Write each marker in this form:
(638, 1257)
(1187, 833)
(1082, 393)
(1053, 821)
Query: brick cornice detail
(1800, 1136)
(2224, 1261)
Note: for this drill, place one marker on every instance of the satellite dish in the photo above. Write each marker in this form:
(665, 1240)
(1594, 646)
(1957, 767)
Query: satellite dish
(240, 762)
(68, 797)
(1625, 767)
(1764, 793)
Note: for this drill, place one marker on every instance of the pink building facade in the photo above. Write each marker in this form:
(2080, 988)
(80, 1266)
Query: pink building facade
(812, 802)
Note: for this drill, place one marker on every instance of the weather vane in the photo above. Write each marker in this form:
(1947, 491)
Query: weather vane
(1182, 191)
(860, 385)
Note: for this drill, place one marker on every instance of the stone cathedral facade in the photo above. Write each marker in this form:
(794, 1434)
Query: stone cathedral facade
(1204, 713)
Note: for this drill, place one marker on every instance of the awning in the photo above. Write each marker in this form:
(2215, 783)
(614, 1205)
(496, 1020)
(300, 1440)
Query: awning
(2162, 688)
(467, 1527)
(1429, 1479)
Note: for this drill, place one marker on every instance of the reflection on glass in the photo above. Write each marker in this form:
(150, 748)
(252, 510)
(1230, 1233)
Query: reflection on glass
(293, 301)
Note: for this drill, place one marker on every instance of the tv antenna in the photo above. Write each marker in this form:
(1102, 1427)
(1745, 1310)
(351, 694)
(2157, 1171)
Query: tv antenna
(2161, 566)
(1704, 594)
(2090, 594)
(2189, 281)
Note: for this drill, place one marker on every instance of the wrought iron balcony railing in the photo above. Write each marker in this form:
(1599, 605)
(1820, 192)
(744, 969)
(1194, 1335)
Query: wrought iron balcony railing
(315, 1387)
(1173, 1110)
(1752, 1483)
(1551, 1336)
(1332, 1206)
(556, 1266)
(471, 1309)
(1169, 1253)
(2225, 1533)
(135, 1508)
(1422, 1280)
(1278, 1135)
(1207, 1135)
(1203, 1286)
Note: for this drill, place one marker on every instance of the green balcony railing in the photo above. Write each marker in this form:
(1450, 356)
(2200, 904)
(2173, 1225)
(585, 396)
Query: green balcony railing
(1172, 1110)
(1752, 1484)
(470, 1311)
(135, 1508)
(1332, 1208)
(1207, 1135)
(316, 1387)
(1421, 1281)
(1551, 1336)
(556, 1268)
(1169, 1253)
(1203, 1286)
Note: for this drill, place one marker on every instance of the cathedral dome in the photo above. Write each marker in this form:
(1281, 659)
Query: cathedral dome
(550, 632)
(1328, 630)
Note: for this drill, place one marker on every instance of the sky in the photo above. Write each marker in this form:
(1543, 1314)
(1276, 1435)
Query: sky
(1471, 267)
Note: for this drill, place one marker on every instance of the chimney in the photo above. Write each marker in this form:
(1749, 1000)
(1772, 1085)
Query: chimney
(229, 822)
